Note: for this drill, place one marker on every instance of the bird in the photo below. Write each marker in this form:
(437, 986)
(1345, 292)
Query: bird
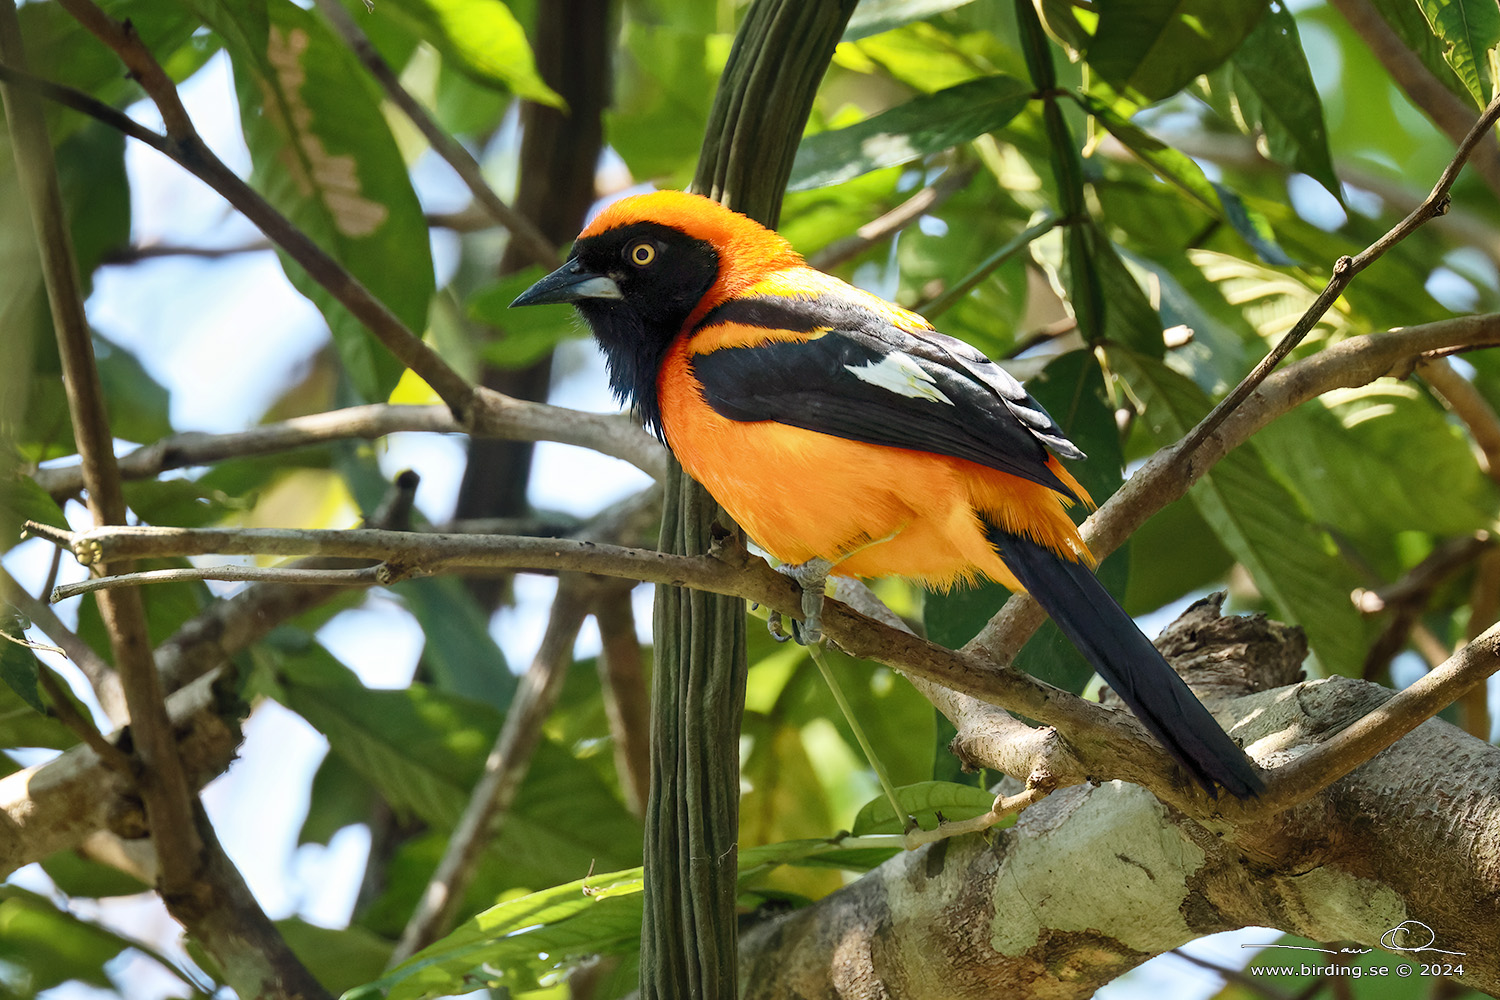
(847, 436)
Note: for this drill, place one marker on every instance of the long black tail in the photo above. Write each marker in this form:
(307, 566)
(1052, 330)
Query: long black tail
(1129, 664)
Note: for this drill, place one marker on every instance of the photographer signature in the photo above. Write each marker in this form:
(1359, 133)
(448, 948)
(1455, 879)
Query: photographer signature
(1407, 936)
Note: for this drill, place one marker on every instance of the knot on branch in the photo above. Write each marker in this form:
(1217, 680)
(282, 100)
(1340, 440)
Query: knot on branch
(1225, 657)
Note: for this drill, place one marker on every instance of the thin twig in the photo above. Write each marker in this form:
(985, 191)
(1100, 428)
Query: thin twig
(1344, 271)
(372, 575)
(522, 230)
(504, 770)
(622, 678)
(499, 416)
(154, 251)
(1005, 807)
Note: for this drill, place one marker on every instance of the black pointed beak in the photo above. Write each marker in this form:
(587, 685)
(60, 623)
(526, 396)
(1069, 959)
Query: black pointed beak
(569, 283)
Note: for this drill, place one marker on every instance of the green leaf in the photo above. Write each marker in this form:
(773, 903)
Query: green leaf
(897, 719)
(1257, 519)
(1151, 49)
(424, 749)
(340, 959)
(784, 799)
(324, 156)
(18, 664)
(525, 335)
(1408, 21)
(1469, 31)
(139, 408)
(340, 797)
(517, 942)
(1380, 460)
(1172, 555)
(927, 801)
(91, 172)
(514, 944)
(872, 17)
(52, 947)
(1274, 89)
(1129, 319)
(184, 503)
(76, 875)
(1182, 171)
(925, 125)
(484, 38)
(460, 655)
(665, 88)
(23, 722)
(22, 500)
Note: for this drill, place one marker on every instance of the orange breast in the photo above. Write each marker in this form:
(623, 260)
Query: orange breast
(870, 509)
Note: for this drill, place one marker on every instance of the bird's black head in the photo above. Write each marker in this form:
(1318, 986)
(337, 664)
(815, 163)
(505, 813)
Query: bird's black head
(635, 285)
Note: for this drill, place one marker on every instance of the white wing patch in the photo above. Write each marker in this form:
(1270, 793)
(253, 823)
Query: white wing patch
(900, 373)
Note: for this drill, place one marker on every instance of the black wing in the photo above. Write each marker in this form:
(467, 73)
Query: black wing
(858, 376)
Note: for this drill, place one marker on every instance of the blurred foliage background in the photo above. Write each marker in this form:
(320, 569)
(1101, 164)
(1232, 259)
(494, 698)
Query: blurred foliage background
(1200, 170)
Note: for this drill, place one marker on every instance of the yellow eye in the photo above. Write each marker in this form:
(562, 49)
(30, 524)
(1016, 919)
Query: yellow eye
(642, 254)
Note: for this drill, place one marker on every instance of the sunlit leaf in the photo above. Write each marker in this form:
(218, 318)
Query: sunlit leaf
(341, 959)
(518, 941)
(1177, 168)
(927, 801)
(1469, 30)
(485, 39)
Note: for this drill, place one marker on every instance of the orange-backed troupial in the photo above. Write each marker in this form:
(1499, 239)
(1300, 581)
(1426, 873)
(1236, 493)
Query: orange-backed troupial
(848, 436)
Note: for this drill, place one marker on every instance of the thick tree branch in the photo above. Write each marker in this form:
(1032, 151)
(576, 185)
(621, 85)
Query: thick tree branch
(1169, 473)
(1300, 779)
(1109, 742)
(1407, 837)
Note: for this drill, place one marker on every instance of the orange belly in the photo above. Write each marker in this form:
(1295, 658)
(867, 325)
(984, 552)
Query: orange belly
(871, 510)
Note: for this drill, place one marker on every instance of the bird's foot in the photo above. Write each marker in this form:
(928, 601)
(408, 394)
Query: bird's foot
(812, 577)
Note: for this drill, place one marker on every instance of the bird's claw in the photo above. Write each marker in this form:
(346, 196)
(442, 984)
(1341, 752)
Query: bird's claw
(811, 576)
